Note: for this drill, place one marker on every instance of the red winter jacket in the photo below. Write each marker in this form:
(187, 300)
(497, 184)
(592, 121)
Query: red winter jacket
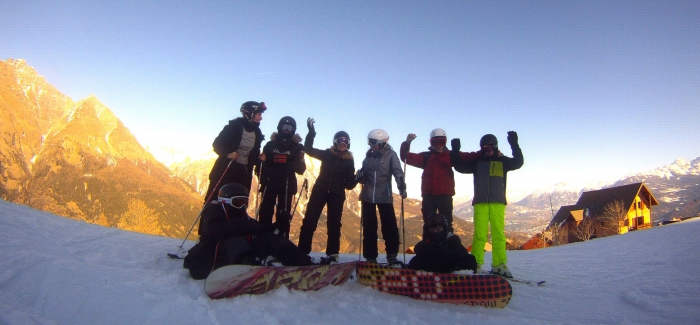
(438, 177)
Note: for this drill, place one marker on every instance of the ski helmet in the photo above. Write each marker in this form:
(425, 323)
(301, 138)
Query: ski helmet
(377, 137)
(338, 138)
(489, 139)
(438, 133)
(234, 194)
(250, 108)
(435, 228)
(287, 123)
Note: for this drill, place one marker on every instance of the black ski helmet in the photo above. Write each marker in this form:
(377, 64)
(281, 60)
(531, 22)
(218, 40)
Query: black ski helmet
(432, 222)
(233, 189)
(340, 134)
(288, 120)
(489, 139)
(250, 108)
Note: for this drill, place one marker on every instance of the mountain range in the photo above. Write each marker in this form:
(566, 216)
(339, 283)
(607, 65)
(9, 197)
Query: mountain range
(78, 160)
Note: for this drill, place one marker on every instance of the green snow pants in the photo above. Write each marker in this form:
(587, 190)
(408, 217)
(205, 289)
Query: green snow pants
(486, 214)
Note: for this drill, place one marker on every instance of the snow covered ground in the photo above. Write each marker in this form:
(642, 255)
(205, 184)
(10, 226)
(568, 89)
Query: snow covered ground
(55, 270)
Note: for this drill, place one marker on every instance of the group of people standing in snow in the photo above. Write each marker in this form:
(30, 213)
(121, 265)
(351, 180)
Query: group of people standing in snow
(228, 235)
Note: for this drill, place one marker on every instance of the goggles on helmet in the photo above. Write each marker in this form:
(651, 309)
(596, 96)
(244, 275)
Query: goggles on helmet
(342, 140)
(287, 127)
(235, 201)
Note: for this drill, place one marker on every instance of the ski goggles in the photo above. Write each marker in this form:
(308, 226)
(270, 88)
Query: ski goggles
(438, 141)
(374, 142)
(488, 147)
(342, 140)
(287, 127)
(235, 201)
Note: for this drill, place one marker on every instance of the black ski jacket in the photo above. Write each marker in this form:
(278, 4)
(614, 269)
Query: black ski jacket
(284, 158)
(337, 168)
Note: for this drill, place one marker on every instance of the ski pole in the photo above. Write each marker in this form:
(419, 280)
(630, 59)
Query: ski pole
(304, 186)
(180, 249)
(286, 208)
(359, 255)
(403, 225)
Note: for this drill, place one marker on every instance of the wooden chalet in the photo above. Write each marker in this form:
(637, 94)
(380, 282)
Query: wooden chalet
(537, 241)
(635, 201)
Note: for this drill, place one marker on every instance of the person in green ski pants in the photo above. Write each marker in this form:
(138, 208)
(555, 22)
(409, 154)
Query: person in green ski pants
(490, 175)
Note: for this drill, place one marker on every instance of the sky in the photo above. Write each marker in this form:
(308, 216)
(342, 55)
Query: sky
(55, 270)
(595, 89)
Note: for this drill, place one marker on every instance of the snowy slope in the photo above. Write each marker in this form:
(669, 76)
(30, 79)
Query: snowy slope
(55, 270)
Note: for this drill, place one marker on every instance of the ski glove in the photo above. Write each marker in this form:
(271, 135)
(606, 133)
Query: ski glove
(310, 124)
(513, 138)
(456, 144)
(359, 175)
(401, 185)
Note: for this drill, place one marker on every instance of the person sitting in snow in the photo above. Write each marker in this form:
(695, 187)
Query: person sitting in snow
(440, 250)
(227, 235)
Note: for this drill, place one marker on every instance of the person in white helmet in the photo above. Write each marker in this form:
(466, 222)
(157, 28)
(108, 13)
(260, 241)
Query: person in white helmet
(380, 163)
(438, 179)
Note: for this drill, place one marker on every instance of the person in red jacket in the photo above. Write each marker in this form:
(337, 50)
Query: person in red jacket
(438, 179)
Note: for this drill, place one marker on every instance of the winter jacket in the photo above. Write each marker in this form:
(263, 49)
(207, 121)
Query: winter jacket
(446, 257)
(337, 168)
(215, 226)
(283, 159)
(490, 175)
(438, 177)
(377, 169)
(228, 141)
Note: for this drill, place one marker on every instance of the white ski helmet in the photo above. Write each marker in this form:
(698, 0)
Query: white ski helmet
(438, 133)
(377, 136)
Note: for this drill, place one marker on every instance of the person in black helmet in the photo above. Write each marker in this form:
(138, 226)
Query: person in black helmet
(239, 144)
(282, 157)
(336, 176)
(227, 235)
(440, 250)
(490, 175)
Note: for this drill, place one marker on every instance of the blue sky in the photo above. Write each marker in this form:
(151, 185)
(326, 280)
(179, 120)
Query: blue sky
(595, 89)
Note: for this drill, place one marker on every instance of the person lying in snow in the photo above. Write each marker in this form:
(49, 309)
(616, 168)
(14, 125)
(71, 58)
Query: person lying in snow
(227, 235)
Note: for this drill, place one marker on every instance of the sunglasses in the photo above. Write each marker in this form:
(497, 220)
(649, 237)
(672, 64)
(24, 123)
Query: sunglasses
(341, 140)
(235, 201)
(287, 127)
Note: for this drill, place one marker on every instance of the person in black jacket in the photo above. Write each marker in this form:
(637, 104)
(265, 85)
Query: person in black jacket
(282, 157)
(227, 235)
(337, 174)
(440, 250)
(238, 144)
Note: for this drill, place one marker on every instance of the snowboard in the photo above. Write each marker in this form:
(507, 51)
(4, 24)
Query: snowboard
(234, 280)
(461, 289)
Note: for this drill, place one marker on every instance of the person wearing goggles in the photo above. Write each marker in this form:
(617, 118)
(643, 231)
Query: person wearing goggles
(227, 235)
(490, 175)
(437, 179)
(282, 159)
(238, 146)
(336, 176)
(440, 250)
(379, 165)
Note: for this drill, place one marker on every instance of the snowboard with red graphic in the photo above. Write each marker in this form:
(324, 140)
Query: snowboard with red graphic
(234, 280)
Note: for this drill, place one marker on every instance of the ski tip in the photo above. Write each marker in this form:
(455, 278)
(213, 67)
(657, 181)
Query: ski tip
(175, 256)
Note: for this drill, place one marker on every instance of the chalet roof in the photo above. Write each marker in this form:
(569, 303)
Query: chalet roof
(595, 201)
(562, 214)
